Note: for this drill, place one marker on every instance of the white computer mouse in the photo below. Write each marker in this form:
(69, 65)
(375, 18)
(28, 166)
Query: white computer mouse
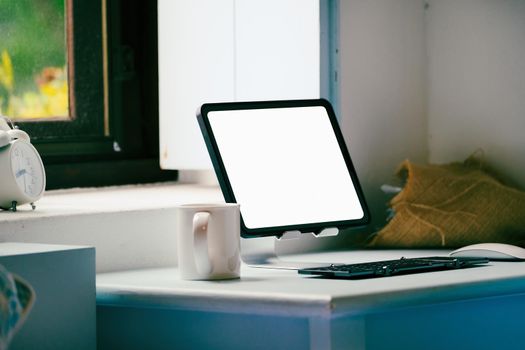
(494, 251)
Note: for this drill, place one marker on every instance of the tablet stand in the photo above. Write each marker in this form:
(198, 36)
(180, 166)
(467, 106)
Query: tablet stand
(260, 252)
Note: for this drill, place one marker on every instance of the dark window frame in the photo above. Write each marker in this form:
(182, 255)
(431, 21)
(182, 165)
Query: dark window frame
(113, 137)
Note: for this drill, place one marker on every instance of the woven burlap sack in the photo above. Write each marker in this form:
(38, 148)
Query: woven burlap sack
(452, 206)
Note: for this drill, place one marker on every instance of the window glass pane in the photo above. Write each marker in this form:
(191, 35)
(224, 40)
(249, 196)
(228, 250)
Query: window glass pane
(33, 62)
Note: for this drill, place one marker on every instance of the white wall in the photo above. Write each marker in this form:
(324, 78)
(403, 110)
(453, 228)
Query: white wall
(476, 55)
(383, 89)
(431, 85)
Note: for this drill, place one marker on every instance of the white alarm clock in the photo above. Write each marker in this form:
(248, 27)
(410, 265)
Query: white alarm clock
(22, 174)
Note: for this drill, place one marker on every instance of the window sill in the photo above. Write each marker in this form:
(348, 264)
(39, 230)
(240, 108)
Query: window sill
(131, 227)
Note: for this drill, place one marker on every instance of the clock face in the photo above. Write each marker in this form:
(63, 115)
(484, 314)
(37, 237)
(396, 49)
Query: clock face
(28, 169)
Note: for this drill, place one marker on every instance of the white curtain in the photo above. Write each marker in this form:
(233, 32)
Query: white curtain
(230, 50)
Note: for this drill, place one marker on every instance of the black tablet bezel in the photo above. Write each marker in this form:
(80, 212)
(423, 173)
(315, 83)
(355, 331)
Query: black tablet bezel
(224, 182)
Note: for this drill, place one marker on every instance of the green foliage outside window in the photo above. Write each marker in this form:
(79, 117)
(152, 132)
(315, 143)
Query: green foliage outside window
(33, 59)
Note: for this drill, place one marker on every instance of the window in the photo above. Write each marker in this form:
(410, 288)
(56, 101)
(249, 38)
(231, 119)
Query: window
(110, 135)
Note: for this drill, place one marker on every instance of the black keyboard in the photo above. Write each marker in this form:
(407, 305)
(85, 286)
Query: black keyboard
(394, 267)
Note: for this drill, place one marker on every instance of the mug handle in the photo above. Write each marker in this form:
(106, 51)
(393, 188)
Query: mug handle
(200, 242)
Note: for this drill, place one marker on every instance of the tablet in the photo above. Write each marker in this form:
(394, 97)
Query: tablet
(285, 163)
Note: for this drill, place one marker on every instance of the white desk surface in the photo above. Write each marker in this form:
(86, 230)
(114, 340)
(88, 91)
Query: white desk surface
(285, 292)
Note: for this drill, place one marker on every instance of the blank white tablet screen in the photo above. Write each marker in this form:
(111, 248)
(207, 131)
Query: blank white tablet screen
(285, 166)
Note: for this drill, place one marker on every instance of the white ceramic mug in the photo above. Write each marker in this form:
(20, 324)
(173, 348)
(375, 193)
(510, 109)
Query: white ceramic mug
(208, 241)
